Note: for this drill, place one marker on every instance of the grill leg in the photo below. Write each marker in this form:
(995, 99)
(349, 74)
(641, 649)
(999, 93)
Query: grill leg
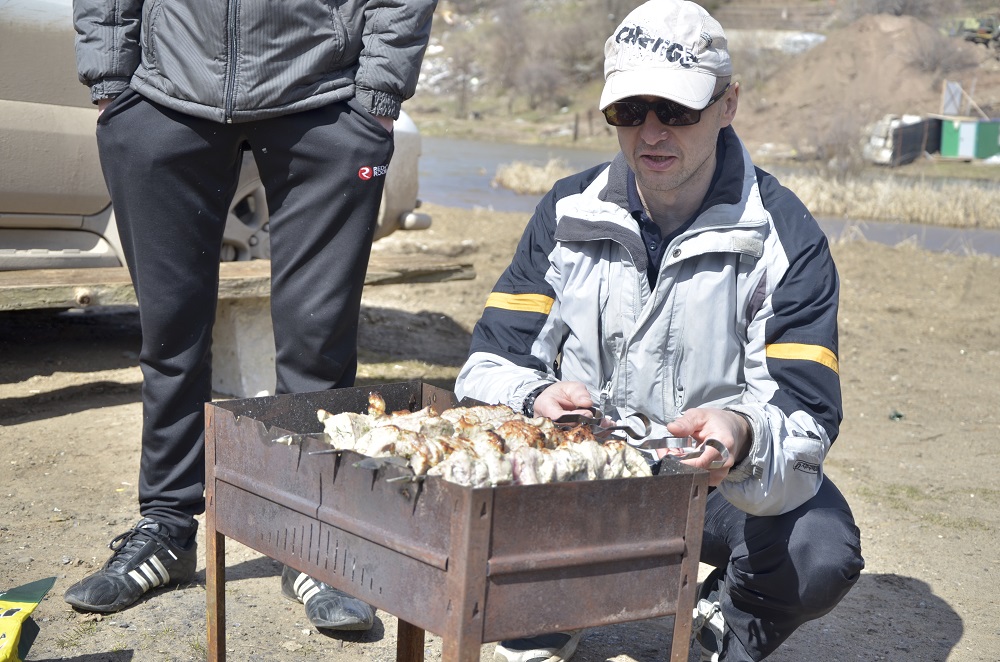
(680, 644)
(409, 642)
(215, 588)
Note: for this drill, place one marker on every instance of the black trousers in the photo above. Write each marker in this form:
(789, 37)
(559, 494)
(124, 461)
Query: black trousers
(171, 178)
(780, 571)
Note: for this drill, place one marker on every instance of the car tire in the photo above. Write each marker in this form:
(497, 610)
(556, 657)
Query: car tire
(246, 235)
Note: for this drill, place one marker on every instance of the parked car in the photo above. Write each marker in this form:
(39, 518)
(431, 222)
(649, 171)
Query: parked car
(55, 211)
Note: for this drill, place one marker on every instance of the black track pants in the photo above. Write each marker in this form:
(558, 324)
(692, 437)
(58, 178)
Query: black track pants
(171, 179)
(780, 571)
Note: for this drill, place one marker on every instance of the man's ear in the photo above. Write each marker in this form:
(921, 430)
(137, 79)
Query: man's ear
(730, 102)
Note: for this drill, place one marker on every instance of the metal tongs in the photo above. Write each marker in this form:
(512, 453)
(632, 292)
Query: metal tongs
(689, 452)
(679, 451)
(597, 423)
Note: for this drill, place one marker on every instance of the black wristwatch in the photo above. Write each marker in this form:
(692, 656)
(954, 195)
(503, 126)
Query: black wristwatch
(528, 408)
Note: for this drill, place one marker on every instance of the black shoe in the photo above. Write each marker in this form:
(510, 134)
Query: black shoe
(326, 607)
(144, 558)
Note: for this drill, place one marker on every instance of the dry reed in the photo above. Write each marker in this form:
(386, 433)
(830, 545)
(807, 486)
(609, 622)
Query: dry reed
(525, 178)
(954, 204)
(958, 205)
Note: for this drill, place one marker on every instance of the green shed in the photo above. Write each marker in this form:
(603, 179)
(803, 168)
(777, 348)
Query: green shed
(967, 138)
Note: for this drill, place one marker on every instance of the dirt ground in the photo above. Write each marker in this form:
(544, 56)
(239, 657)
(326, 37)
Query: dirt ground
(920, 357)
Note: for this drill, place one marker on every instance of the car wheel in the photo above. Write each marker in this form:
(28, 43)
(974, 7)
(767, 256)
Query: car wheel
(246, 236)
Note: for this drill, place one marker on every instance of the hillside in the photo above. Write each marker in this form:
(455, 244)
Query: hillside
(877, 65)
(791, 104)
(823, 15)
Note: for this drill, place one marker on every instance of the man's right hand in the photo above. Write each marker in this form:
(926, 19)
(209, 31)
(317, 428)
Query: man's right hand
(102, 104)
(563, 398)
(728, 427)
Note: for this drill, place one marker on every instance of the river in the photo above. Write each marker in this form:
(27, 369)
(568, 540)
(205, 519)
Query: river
(458, 173)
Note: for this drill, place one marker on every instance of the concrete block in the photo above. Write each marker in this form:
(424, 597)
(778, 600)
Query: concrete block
(243, 348)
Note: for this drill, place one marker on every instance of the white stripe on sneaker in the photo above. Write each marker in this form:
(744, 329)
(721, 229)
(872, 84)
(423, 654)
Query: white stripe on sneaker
(310, 594)
(150, 574)
(155, 562)
(299, 581)
(140, 579)
(306, 587)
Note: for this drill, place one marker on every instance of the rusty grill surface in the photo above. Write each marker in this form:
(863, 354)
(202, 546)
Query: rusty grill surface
(471, 565)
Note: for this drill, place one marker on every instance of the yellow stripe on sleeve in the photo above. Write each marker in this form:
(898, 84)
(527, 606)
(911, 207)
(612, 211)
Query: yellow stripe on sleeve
(816, 353)
(528, 303)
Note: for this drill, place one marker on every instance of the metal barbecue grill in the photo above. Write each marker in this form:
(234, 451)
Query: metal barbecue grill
(472, 565)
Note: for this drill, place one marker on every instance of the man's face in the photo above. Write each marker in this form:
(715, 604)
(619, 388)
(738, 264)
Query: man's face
(666, 158)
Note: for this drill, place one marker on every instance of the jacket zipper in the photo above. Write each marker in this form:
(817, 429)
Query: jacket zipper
(606, 403)
(230, 90)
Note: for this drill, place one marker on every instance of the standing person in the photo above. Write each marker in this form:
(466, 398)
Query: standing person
(681, 282)
(183, 87)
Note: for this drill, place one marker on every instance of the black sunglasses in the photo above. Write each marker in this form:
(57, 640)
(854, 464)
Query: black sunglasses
(670, 113)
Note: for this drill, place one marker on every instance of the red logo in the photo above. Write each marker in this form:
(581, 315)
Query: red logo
(367, 172)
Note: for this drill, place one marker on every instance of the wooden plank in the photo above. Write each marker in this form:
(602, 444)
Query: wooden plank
(82, 288)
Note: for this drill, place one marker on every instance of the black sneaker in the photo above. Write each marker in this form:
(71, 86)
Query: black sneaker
(326, 607)
(553, 647)
(708, 625)
(144, 558)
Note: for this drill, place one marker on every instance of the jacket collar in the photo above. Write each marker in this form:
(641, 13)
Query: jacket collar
(606, 215)
(727, 181)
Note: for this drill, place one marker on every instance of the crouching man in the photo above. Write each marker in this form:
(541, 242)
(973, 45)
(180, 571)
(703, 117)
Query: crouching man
(681, 282)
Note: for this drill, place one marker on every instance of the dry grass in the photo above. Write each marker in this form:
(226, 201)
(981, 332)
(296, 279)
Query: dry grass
(959, 205)
(525, 178)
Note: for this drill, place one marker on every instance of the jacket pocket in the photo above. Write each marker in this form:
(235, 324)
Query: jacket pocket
(338, 26)
(314, 32)
(150, 13)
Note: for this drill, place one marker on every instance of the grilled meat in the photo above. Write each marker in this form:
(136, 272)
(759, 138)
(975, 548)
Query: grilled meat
(482, 445)
(344, 428)
(516, 434)
(464, 468)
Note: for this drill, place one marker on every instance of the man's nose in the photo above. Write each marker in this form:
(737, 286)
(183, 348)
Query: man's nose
(653, 128)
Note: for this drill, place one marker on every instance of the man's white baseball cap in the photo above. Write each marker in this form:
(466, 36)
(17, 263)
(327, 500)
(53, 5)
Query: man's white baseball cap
(666, 48)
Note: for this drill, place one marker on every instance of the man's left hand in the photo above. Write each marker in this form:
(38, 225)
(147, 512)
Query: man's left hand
(704, 423)
(386, 122)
